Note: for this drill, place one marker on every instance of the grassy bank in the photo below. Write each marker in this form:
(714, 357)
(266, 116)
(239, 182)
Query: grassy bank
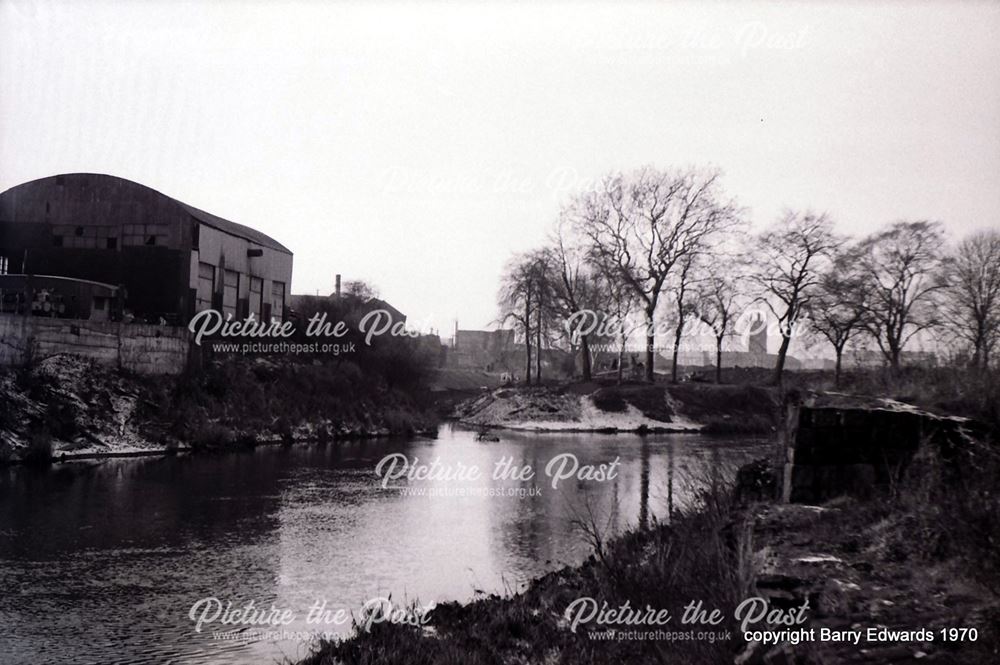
(960, 391)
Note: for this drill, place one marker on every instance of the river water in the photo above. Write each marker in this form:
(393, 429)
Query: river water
(102, 561)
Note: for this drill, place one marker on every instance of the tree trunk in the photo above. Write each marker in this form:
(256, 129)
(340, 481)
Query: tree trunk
(527, 341)
(585, 350)
(779, 367)
(677, 348)
(894, 358)
(718, 359)
(621, 361)
(650, 342)
(836, 371)
(538, 344)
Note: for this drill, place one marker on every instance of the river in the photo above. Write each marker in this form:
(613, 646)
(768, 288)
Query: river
(101, 561)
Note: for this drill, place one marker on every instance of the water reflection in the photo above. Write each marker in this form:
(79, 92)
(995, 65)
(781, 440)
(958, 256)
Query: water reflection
(101, 561)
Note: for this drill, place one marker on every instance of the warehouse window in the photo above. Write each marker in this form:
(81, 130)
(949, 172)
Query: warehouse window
(256, 297)
(277, 300)
(206, 285)
(230, 292)
(3, 265)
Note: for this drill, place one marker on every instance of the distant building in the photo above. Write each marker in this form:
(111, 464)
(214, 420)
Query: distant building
(305, 304)
(871, 358)
(492, 350)
(757, 337)
(165, 259)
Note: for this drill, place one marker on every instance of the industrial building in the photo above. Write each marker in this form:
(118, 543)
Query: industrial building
(157, 259)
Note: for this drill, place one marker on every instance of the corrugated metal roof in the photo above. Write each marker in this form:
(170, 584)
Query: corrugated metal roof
(207, 218)
(232, 228)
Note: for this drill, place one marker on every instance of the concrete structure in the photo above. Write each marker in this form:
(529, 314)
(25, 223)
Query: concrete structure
(834, 444)
(61, 297)
(169, 259)
(143, 349)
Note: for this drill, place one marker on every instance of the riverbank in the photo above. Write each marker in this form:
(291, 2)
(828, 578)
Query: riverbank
(65, 407)
(921, 558)
(592, 407)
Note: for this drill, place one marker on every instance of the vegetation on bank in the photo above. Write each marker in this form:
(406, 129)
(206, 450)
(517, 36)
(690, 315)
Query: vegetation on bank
(967, 392)
(244, 401)
(743, 402)
(69, 405)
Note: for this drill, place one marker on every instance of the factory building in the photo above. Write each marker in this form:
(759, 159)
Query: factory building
(164, 259)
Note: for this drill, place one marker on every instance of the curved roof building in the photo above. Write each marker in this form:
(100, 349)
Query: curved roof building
(171, 258)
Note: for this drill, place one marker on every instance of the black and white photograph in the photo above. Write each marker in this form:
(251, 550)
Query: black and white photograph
(499, 332)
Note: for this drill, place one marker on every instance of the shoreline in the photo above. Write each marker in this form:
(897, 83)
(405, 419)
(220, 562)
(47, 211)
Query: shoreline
(638, 408)
(66, 457)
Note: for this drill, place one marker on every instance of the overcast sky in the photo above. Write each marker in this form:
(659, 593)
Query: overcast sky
(416, 146)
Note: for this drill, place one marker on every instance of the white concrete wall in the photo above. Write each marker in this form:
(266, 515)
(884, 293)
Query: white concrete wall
(139, 348)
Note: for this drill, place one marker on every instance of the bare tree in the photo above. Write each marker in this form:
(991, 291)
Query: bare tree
(718, 303)
(575, 286)
(791, 256)
(622, 303)
(683, 299)
(901, 268)
(973, 302)
(641, 224)
(838, 311)
(522, 301)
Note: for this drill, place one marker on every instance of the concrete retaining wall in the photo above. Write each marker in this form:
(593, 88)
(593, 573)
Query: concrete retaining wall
(139, 348)
(832, 446)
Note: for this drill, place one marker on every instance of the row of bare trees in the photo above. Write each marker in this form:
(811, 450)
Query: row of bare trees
(658, 250)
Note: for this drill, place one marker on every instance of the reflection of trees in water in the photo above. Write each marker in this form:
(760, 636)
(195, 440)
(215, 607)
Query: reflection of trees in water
(644, 484)
(544, 530)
